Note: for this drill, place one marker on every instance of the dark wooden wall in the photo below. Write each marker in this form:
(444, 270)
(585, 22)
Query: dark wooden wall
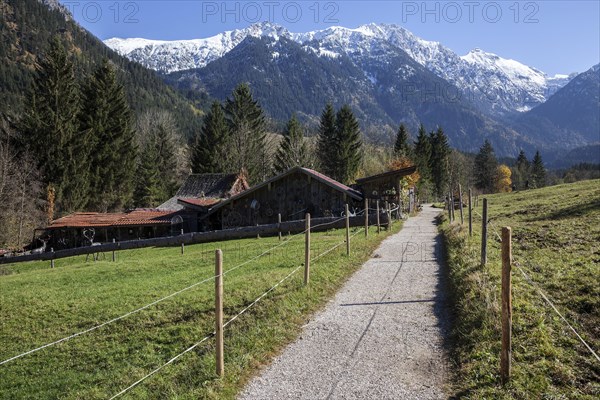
(292, 196)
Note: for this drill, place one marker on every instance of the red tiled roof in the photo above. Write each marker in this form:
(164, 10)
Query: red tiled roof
(205, 202)
(137, 217)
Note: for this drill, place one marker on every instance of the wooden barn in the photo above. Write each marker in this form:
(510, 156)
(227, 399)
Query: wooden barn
(291, 194)
(385, 186)
(192, 201)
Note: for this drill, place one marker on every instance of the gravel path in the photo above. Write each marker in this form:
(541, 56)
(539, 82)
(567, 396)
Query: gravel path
(381, 337)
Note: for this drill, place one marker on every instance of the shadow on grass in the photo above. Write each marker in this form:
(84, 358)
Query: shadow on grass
(569, 212)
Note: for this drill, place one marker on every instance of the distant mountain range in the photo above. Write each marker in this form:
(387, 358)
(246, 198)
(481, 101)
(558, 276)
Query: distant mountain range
(389, 76)
(494, 84)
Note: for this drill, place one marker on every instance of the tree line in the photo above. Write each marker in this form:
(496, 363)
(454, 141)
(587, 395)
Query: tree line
(491, 176)
(234, 139)
(78, 147)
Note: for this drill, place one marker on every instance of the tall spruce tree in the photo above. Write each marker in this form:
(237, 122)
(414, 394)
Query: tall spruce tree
(438, 162)
(326, 141)
(485, 166)
(209, 150)
(148, 189)
(538, 171)
(50, 129)
(293, 150)
(158, 129)
(348, 145)
(107, 120)
(401, 146)
(422, 154)
(247, 142)
(520, 173)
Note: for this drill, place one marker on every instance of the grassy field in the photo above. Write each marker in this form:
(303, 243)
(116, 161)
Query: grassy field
(39, 305)
(556, 240)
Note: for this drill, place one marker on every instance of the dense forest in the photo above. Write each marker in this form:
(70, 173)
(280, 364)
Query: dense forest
(27, 29)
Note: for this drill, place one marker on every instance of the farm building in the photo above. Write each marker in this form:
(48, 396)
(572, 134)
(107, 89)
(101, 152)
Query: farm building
(200, 191)
(386, 186)
(291, 194)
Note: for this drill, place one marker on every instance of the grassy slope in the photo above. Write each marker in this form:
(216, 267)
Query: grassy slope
(556, 238)
(39, 305)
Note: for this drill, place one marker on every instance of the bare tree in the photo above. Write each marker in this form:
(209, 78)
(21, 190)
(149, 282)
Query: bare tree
(21, 195)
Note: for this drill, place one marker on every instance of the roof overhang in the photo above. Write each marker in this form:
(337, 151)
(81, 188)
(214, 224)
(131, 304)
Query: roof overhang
(399, 173)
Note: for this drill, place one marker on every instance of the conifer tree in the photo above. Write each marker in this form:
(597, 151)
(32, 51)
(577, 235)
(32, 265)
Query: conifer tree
(438, 162)
(423, 154)
(247, 127)
(326, 141)
(348, 146)
(538, 171)
(402, 146)
(292, 150)
(209, 150)
(158, 128)
(148, 191)
(107, 120)
(485, 166)
(520, 176)
(50, 129)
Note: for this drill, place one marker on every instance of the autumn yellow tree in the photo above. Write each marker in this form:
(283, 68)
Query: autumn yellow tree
(405, 162)
(503, 181)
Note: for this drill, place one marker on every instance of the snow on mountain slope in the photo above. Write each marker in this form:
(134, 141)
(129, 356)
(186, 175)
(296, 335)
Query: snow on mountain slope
(171, 56)
(494, 84)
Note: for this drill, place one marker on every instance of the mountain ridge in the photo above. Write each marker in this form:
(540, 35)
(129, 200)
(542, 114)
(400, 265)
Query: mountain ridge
(495, 85)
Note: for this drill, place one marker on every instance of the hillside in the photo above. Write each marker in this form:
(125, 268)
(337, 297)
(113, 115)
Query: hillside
(555, 236)
(571, 116)
(286, 78)
(27, 27)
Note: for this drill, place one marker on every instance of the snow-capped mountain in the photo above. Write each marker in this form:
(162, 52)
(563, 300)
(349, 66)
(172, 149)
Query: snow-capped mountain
(494, 84)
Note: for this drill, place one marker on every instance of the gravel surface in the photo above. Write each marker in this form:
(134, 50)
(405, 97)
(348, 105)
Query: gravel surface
(381, 337)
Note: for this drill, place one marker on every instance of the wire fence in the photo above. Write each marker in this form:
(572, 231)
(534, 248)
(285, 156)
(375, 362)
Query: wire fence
(160, 300)
(537, 288)
(269, 250)
(233, 318)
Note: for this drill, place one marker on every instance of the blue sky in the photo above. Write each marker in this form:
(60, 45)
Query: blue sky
(553, 36)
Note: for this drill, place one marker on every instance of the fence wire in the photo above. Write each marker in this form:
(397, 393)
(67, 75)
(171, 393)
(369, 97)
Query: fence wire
(137, 310)
(239, 314)
(540, 292)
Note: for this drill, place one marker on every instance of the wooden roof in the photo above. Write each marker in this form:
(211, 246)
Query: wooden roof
(210, 186)
(314, 174)
(200, 203)
(137, 217)
(396, 173)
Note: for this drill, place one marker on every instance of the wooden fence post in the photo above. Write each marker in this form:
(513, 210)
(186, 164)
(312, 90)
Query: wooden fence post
(484, 222)
(506, 351)
(182, 244)
(220, 361)
(279, 225)
(307, 251)
(449, 207)
(366, 217)
(452, 206)
(114, 256)
(470, 213)
(460, 201)
(378, 222)
(52, 259)
(347, 230)
(389, 212)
